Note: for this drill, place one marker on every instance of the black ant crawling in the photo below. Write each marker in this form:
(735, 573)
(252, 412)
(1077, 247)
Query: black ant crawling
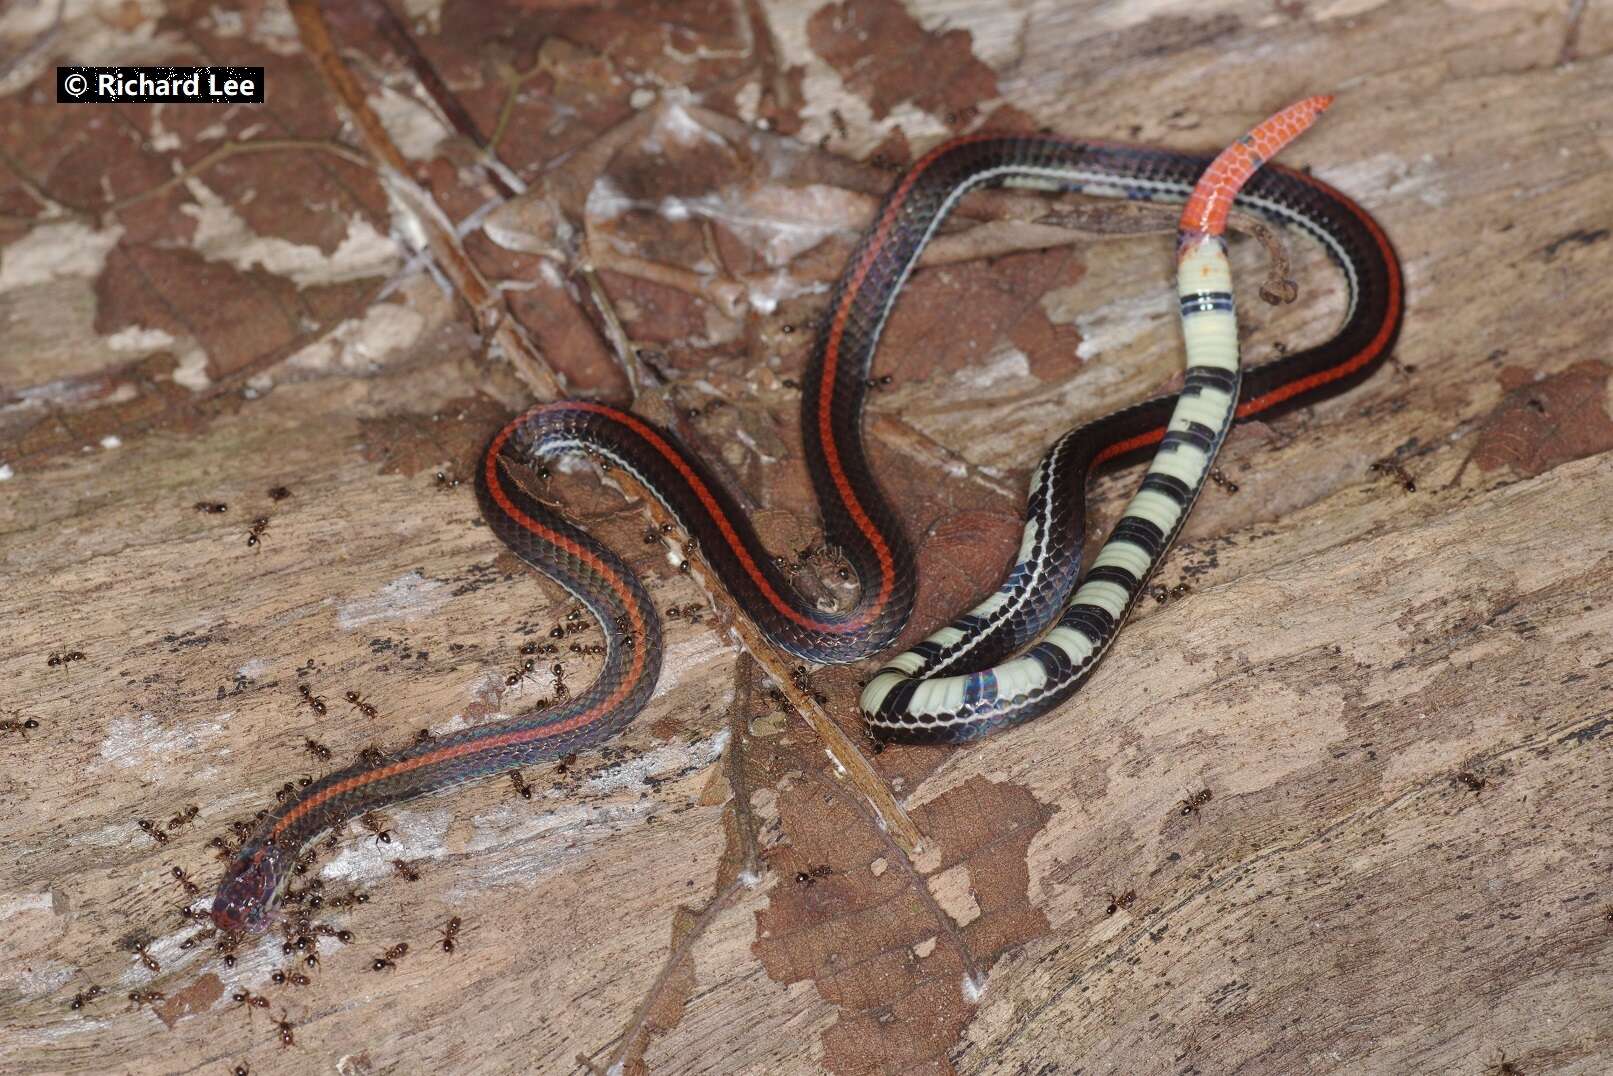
(184, 881)
(1120, 903)
(1193, 802)
(528, 669)
(376, 825)
(84, 997)
(20, 727)
(355, 700)
(1397, 472)
(184, 817)
(255, 536)
(389, 959)
(812, 876)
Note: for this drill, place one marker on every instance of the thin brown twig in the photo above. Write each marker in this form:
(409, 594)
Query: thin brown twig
(1570, 48)
(738, 787)
(35, 190)
(516, 81)
(39, 44)
(488, 308)
(239, 149)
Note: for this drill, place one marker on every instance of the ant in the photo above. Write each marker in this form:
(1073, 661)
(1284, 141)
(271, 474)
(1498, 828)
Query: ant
(279, 493)
(389, 959)
(376, 825)
(284, 1026)
(811, 877)
(315, 748)
(84, 997)
(406, 869)
(241, 1070)
(21, 728)
(138, 948)
(212, 507)
(184, 817)
(446, 481)
(310, 699)
(566, 763)
(370, 756)
(1474, 784)
(184, 880)
(197, 938)
(255, 535)
(1122, 902)
(146, 997)
(153, 830)
(528, 669)
(249, 1000)
(1397, 472)
(62, 660)
(343, 936)
(356, 700)
(1192, 803)
(1161, 595)
(799, 677)
(1219, 478)
(449, 933)
(423, 737)
(522, 789)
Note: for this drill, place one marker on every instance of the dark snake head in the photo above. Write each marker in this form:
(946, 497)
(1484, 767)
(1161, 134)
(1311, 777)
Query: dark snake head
(246, 897)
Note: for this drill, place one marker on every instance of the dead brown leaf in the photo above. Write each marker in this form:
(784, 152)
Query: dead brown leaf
(898, 948)
(1540, 424)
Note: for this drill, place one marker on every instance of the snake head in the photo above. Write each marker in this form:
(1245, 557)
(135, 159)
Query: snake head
(246, 897)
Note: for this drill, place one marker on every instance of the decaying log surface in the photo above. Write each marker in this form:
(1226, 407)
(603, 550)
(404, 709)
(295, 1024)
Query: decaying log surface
(1400, 699)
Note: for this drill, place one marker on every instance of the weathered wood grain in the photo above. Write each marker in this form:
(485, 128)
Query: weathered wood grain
(1343, 902)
